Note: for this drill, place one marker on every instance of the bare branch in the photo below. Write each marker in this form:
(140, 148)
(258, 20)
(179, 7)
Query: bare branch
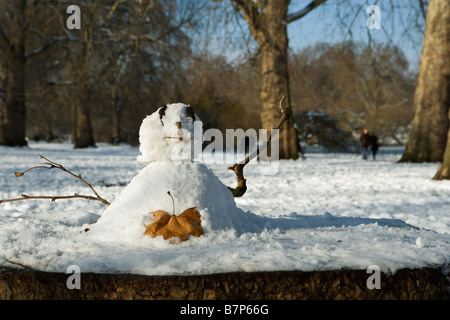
(49, 41)
(5, 44)
(423, 9)
(252, 15)
(58, 166)
(51, 165)
(238, 168)
(4, 37)
(112, 10)
(52, 198)
(301, 13)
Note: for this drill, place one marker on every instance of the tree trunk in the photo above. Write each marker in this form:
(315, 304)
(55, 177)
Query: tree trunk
(115, 135)
(268, 28)
(275, 78)
(3, 73)
(428, 136)
(83, 130)
(444, 169)
(443, 172)
(82, 135)
(12, 124)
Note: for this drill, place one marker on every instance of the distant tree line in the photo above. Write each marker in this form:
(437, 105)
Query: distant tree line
(130, 57)
(359, 85)
(96, 83)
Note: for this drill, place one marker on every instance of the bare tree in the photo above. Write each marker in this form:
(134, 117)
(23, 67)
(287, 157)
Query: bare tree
(357, 85)
(19, 42)
(444, 169)
(441, 14)
(15, 20)
(267, 21)
(428, 137)
(138, 51)
(3, 72)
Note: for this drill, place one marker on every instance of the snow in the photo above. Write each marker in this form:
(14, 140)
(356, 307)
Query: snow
(191, 185)
(328, 211)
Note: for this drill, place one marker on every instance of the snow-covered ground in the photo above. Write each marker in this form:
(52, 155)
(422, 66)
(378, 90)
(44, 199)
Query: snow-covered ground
(324, 212)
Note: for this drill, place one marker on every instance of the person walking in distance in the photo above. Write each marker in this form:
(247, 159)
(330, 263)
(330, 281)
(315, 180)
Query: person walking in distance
(364, 139)
(373, 143)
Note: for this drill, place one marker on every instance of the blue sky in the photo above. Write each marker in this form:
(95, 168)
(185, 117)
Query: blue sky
(339, 20)
(402, 24)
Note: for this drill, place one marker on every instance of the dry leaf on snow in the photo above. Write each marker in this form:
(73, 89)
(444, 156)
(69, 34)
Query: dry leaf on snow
(180, 226)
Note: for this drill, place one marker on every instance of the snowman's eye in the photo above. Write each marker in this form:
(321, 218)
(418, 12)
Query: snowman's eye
(162, 112)
(190, 113)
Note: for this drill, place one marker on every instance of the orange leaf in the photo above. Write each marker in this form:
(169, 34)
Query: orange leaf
(170, 226)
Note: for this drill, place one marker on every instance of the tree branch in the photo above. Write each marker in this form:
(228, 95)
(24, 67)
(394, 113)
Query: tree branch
(301, 13)
(51, 165)
(423, 10)
(4, 37)
(238, 168)
(5, 44)
(52, 198)
(111, 11)
(49, 41)
(253, 16)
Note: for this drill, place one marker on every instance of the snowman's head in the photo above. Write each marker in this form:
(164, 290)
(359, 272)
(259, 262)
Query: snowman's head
(168, 134)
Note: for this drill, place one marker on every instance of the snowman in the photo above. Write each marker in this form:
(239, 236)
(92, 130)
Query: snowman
(167, 142)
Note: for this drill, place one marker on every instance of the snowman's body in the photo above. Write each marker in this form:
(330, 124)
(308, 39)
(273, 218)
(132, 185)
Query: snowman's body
(166, 141)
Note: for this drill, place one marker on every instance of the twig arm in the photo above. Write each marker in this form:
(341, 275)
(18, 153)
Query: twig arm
(54, 198)
(242, 182)
(57, 165)
(51, 165)
(238, 168)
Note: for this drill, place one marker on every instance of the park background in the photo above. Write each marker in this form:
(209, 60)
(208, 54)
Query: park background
(97, 83)
(78, 97)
